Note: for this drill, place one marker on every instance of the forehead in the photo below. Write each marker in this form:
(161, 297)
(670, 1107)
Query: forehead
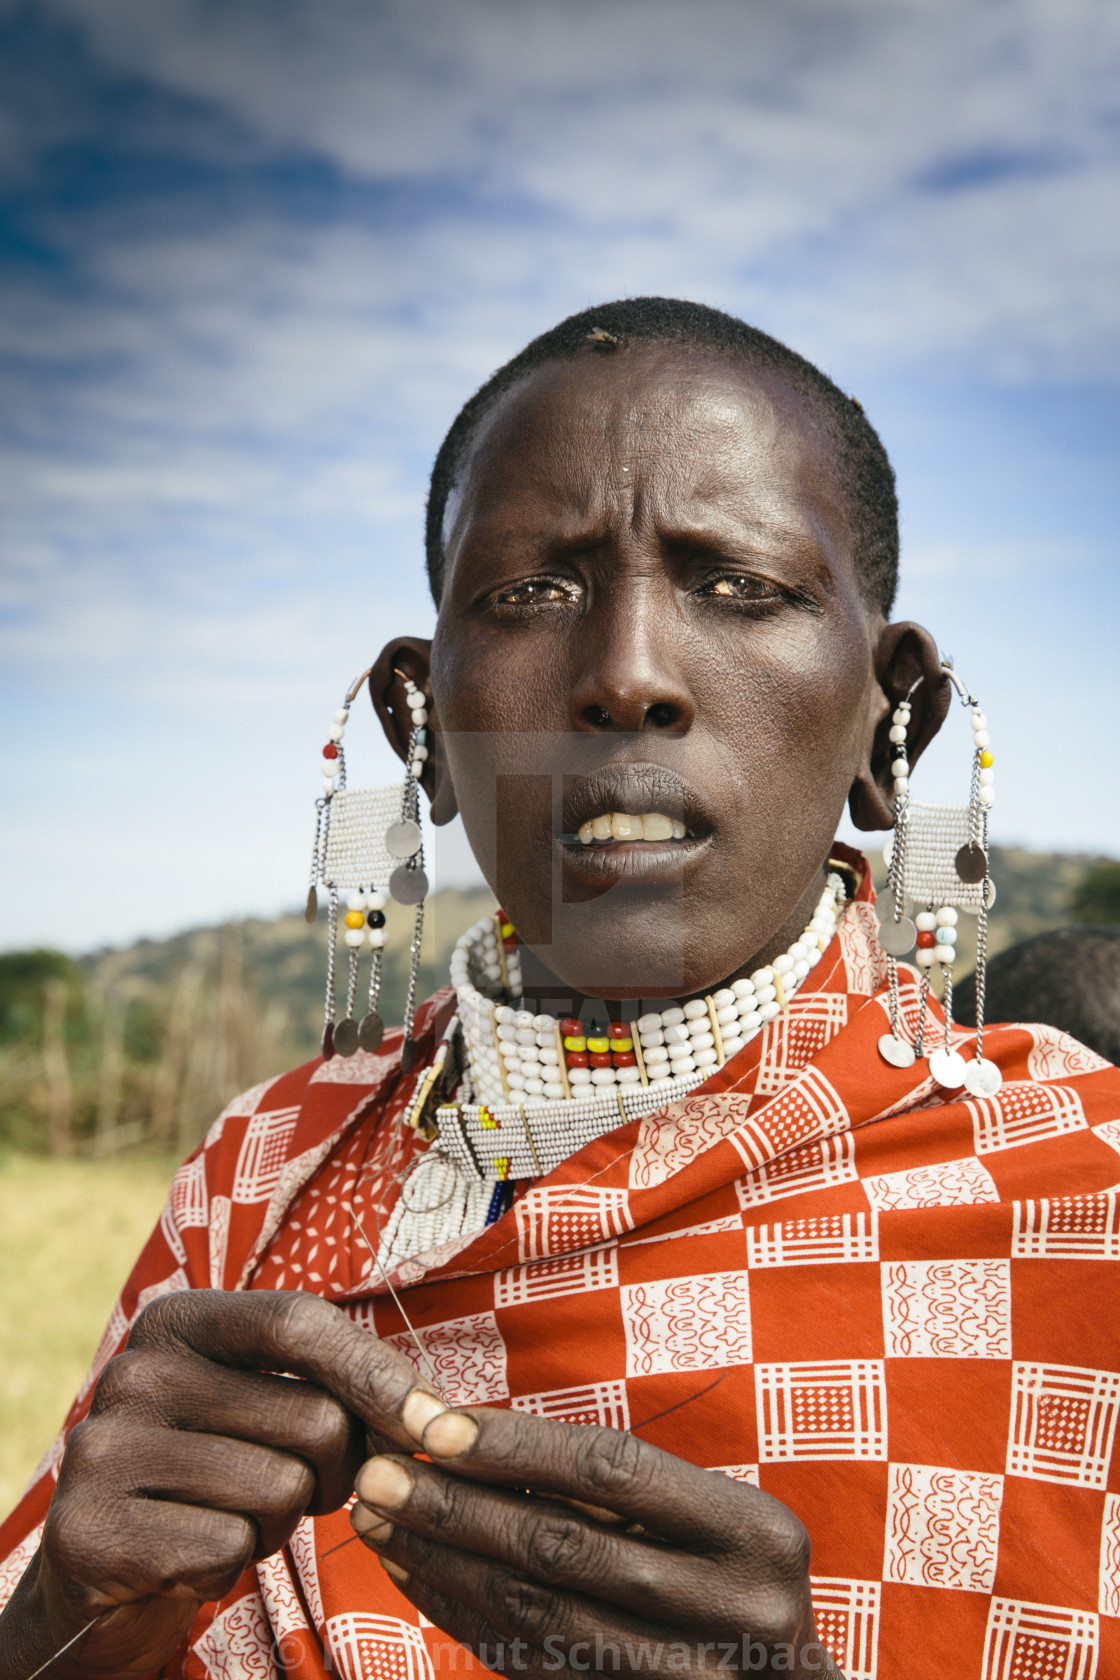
(678, 425)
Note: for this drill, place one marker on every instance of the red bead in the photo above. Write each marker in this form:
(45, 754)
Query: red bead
(578, 1058)
(571, 1028)
(599, 1058)
(925, 940)
(511, 943)
(624, 1058)
(618, 1029)
(330, 750)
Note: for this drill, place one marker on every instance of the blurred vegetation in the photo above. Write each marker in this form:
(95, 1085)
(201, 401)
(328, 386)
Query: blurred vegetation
(140, 1048)
(143, 1047)
(1096, 898)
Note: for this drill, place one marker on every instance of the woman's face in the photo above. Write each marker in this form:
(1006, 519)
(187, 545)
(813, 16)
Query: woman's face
(651, 606)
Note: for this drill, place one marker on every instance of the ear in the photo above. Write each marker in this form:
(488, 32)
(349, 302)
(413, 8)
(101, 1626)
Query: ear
(905, 653)
(410, 656)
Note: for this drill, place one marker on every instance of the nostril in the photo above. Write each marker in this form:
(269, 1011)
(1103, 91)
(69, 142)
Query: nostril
(598, 716)
(662, 716)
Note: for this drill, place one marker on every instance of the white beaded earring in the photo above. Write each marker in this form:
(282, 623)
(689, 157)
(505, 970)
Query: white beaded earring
(368, 842)
(938, 863)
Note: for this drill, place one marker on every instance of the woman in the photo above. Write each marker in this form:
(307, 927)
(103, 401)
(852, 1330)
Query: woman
(663, 549)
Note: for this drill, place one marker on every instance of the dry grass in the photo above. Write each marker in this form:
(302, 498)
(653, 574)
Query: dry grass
(69, 1233)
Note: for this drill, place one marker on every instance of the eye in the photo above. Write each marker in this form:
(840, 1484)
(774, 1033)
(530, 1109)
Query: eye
(531, 592)
(741, 586)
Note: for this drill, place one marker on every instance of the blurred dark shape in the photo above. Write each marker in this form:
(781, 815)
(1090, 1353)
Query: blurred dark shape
(1068, 978)
(1096, 898)
(24, 975)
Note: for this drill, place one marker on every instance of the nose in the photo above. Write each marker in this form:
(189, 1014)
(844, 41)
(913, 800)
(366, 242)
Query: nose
(629, 676)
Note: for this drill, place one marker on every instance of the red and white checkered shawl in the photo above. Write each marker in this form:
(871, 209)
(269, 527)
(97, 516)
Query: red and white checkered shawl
(912, 1303)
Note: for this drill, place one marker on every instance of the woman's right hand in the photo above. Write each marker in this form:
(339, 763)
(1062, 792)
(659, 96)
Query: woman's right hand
(195, 1460)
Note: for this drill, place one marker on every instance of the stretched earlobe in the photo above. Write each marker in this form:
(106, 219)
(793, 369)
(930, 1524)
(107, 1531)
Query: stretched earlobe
(410, 656)
(906, 655)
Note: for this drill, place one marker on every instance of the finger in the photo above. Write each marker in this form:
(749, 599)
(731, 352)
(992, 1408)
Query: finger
(118, 1551)
(270, 1489)
(286, 1330)
(182, 1392)
(603, 1467)
(550, 1542)
(543, 1618)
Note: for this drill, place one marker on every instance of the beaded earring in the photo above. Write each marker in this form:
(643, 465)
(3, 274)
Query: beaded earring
(938, 862)
(368, 842)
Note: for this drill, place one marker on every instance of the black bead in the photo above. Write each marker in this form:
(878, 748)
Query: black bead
(376, 918)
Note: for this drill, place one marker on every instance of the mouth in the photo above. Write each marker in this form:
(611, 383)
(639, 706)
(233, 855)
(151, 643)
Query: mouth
(637, 822)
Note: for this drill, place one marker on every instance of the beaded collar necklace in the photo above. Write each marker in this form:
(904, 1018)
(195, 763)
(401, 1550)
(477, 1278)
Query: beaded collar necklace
(536, 1089)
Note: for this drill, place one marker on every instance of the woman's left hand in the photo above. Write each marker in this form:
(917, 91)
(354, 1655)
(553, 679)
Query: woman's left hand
(663, 1568)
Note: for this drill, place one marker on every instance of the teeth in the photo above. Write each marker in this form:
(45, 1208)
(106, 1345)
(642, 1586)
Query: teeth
(621, 825)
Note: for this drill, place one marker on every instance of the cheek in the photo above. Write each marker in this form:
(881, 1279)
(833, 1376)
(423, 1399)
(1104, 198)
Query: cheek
(483, 684)
(799, 721)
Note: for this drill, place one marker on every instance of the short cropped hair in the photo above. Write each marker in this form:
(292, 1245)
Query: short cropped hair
(1068, 978)
(863, 467)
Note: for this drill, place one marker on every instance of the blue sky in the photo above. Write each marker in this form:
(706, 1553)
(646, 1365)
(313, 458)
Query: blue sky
(254, 255)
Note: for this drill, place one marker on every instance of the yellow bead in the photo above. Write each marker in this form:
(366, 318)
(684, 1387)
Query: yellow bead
(572, 1043)
(621, 1045)
(501, 1166)
(598, 1046)
(355, 919)
(507, 930)
(986, 760)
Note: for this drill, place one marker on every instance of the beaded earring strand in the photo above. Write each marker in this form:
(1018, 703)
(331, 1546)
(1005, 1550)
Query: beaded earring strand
(368, 841)
(938, 858)
(408, 883)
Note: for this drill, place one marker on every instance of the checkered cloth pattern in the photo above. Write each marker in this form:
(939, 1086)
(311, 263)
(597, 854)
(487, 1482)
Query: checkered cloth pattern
(912, 1304)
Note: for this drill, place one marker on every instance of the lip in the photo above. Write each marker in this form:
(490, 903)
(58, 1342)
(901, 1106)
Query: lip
(633, 789)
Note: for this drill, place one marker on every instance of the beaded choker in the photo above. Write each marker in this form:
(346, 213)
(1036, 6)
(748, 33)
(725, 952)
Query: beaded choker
(536, 1089)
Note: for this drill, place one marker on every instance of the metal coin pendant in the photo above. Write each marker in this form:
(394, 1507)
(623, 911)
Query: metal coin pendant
(402, 839)
(948, 1068)
(884, 904)
(371, 1030)
(897, 938)
(896, 1052)
(408, 1055)
(982, 1078)
(972, 863)
(312, 908)
(346, 1037)
(327, 1045)
(408, 886)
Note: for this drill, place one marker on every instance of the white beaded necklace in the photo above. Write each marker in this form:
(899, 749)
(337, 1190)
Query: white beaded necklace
(523, 1110)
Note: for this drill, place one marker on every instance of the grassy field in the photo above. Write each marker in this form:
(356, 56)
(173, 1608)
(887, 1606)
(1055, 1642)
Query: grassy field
(69, 1232)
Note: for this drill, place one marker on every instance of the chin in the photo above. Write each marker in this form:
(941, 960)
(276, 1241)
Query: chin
(637, 949)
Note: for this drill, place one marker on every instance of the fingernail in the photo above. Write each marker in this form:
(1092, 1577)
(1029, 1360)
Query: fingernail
(383, 1483)
(368, 1524)
(450, 1435)
(393, 1569)
(418, 1411)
